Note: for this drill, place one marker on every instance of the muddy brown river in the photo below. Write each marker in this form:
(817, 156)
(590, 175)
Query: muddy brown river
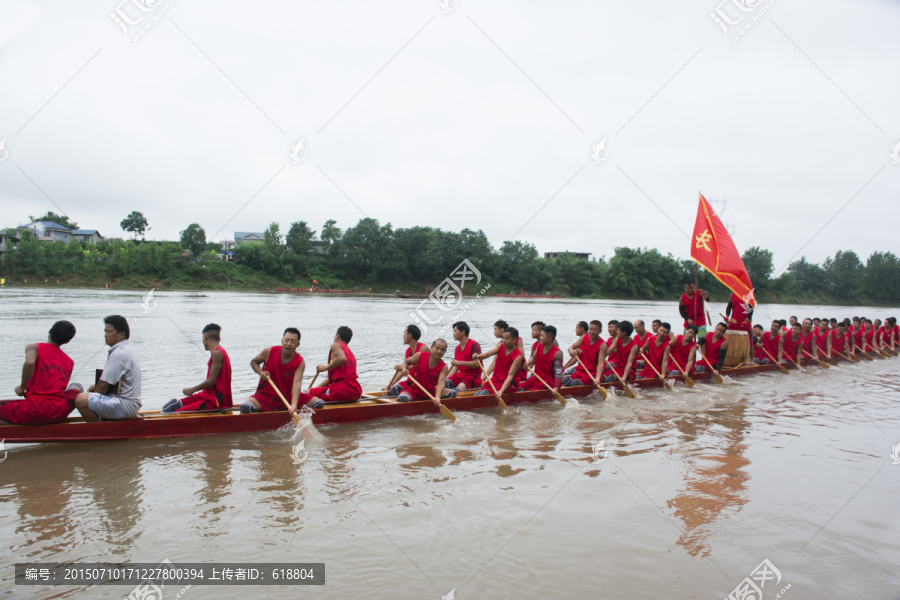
(673, 494)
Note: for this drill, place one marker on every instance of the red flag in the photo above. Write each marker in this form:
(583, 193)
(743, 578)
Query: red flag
(714, 250)
(314, 281)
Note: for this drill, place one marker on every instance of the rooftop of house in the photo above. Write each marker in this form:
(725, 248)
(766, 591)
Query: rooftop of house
(45, 225)
(245, 234)
(85, 232)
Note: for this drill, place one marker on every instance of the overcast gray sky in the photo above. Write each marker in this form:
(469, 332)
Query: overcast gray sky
(476, 117)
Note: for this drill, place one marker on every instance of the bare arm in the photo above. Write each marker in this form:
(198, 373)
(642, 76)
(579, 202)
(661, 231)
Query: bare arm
(439, 388)
(337, 359)
(214, 371)
(31, 352)
(259, 360)
(515, 368)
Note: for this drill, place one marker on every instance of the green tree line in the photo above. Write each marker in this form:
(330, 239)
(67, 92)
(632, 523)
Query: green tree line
(370, 254)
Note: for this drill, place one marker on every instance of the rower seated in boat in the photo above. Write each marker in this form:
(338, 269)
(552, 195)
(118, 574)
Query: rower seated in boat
(768, 344)
(343, 383)
(44, 377)
(215, 390)
(654, 349)
(623, 354)
(547, 361)
(715, 347)
(122, 370)
(581, 330)
(411, 337)
(508, 363)
(282, 366)
(591, 350)
(429, 370)
(683, 351)
(465, 374)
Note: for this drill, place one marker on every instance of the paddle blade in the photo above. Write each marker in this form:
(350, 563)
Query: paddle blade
(560, 398)
(447, 412)
(719, 378)
(688, 381)
(502, 404)
(668, 385)
(602, 391)
(628, 391)
(823, 364)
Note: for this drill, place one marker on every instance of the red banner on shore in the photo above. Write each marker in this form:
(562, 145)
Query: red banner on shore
(714, 250)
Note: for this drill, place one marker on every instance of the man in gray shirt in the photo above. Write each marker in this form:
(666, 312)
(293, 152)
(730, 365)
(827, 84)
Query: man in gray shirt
(122, 368)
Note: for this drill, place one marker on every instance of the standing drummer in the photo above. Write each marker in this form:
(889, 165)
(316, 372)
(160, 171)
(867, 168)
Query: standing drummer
(740, 314)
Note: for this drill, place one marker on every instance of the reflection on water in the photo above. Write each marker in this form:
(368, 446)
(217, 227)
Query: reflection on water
(496, 506)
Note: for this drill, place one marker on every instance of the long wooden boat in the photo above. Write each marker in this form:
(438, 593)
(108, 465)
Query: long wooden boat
(153, 424)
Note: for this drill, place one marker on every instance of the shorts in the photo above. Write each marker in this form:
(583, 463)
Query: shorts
(113, 408)
(36, 411)
(471, 383)
(337, 392)
(269, 404)
(533, 383)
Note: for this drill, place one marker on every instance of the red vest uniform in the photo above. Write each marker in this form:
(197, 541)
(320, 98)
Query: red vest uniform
(426, 376)
(620, 355)
(502, 364)
(543, 366)
(45, 400)
(282, 376)
(790, 348)
(711, 350)
(807, 342)
(822, 341)
(468, 375)
(420, 347)
(839, 342)
(219, 395)
(694, 306)
(881, 337)
(343, 385)
(655, 355)
(739, 314)
(589, 355)
(681, 353)
(770, 344)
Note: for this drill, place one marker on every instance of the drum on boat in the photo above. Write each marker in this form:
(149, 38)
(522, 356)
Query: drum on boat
(738, 348)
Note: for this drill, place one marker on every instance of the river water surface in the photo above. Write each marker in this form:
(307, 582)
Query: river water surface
(693, 490)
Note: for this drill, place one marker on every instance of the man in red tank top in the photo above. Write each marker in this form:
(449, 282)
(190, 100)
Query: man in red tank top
(624, 352)
(878, 337)
(214, 391)
(284, 365)
(822, 340)
(653, 350)
(429, 370)
(840, 340)
(411, 337)
(683, 351)
(547, 362)
(715, 348)
(499, 327)
(581, 330)
(45, 375)
(691, 306)
(591, 350)
(791, 346)
(769, 344)
(739, 316)
(807, 340)
(612, 328)
(465, 374)
(343, 383)
(641, 336)
(508, 363)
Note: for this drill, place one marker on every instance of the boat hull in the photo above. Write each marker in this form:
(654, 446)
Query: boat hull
(150, 426)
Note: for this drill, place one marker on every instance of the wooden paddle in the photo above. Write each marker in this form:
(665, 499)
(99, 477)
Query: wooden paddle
(775, 362)
(546, 385)
(625, 387)
(665, 380)
(687, 380)
(865, 354)
(600, 388)
(500, 401)
(850, 359)
(822, 363)
(444, 410)
(799, 368)
(718, 377)
(311, 383)
(286, 403)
